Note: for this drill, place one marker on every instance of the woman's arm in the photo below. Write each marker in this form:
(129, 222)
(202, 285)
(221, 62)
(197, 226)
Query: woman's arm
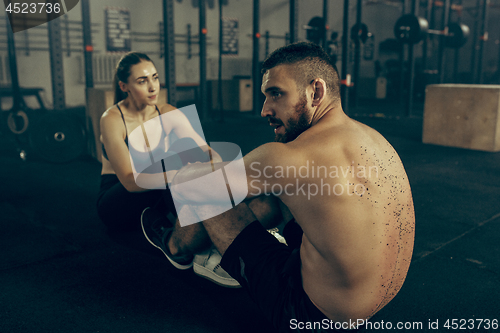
(179, 123)
(113, 136)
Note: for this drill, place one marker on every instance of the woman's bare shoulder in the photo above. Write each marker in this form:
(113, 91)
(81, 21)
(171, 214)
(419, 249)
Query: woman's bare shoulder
(164, 108)
(111, 113)
(111, 118)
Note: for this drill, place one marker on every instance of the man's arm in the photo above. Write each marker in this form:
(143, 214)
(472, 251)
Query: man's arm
(260, 170)
(269, 210)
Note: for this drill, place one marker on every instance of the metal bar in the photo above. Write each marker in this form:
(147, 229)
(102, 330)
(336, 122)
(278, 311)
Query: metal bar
(436, 32)
(456, 59)
(255, 58)
(45, 49)
(160, 35)
(402, 57)
(202, 103)
(483, 39)
(44, 34)
(442, 55)
(38, 49)
(345, 55)
(156, 40)
(66, 31)
(498, 65)
(357, 54)
(266, 44)
(411, 62)
(294, 20)
(425, 45)
(169, 50)
(14, 78)
(2, 76)
(475, 40)
(26, 42)
(42, 42)
(3, 18)
(189, 42)
(87, 44)
(56, 64)
(325, 21)
(221, 42)
(285, 36)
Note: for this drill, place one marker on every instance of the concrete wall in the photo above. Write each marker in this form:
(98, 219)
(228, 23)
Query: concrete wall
(34, 69)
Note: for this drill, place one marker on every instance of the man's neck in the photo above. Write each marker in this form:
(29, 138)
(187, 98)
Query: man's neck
(328, 111)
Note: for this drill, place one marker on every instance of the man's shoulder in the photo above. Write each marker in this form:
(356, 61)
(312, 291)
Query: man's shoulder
(348, 134)
(329, 136)
(274, 155)
(340, 143)
(274, 152)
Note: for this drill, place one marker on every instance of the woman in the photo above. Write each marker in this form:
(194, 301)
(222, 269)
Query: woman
(121, 200)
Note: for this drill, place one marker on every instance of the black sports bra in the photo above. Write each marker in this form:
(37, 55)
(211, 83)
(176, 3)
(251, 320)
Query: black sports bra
(140, 157)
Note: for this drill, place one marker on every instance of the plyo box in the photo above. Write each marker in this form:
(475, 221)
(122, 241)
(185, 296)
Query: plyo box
(236, 95)
(98, 101)
(463, 115)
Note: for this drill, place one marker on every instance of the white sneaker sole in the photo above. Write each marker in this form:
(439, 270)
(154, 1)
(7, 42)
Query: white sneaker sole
(210, 275)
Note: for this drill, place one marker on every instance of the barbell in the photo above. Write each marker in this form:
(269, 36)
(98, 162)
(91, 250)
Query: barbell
(412, 29)
(316, 30)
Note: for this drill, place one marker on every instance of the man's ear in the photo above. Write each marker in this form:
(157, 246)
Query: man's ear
(319, 91)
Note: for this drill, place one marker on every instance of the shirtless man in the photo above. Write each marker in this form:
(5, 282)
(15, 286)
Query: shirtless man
(346, 188)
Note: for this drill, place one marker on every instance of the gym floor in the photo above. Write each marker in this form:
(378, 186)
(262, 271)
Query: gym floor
(61, 272)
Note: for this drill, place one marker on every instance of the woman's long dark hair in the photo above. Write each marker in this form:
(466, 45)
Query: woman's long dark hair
(122, 71)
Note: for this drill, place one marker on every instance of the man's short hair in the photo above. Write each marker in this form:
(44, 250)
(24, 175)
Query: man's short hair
(309, 62)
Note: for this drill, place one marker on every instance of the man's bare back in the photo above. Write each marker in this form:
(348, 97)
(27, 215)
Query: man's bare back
(358, 222)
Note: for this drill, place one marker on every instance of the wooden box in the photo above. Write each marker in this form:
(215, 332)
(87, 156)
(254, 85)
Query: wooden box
(98, 101)
(463, 115)
(236, 95)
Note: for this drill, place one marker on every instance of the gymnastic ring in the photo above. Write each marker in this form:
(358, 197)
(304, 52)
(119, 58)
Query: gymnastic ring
(11, 122)
(59, 136)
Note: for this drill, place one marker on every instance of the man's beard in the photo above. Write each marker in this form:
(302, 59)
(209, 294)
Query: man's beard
(295, 127)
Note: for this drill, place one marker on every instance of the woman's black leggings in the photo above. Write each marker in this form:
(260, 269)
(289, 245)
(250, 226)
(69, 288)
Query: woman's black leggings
(121, 210)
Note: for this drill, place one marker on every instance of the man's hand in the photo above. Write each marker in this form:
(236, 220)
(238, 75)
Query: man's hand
(191, 171)
(170, 176)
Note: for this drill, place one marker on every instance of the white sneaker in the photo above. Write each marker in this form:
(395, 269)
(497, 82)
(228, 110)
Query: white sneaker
(207, 265)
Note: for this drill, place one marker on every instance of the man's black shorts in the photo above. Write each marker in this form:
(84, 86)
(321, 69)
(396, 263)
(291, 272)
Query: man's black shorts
(270, 272)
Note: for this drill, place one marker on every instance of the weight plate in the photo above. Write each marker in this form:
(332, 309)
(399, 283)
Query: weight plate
(457, 35)
(360, 32)
(410, 29)
(316, 30)
(58, 138)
